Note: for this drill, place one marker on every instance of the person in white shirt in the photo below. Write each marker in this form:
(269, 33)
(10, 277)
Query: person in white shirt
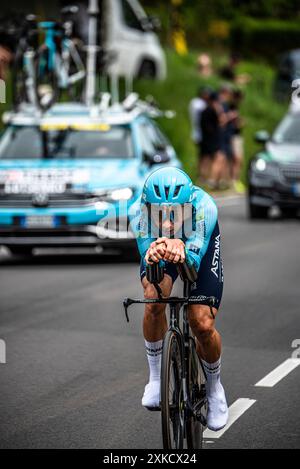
(196, 107)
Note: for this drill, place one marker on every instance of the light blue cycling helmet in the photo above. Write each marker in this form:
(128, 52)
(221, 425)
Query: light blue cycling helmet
(168, 186)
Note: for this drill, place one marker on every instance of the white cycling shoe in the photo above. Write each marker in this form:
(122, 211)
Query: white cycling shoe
(217, 415)
(151, 397)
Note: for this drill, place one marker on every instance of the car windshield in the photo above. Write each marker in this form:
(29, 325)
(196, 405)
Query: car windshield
(288, 130)
(32, 142)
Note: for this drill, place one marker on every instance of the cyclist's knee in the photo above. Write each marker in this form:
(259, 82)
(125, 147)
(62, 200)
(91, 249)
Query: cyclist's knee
(150, 290)
(201, 322)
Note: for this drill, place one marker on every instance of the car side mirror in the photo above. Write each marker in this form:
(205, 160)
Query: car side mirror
(262, 136)
(160, 157)
(151, 23)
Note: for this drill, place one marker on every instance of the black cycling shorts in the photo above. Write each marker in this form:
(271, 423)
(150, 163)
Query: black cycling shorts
(210, 276)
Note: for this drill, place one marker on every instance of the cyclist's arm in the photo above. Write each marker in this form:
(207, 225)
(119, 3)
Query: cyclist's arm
(206, 219)
(139, 226)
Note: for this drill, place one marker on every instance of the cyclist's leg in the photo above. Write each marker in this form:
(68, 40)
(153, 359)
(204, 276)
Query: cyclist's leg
(210, 283)
(155, 323)
(154, 328)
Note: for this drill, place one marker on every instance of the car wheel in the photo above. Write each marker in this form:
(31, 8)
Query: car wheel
(131, 255)
(289, 212)
(147, 69)
(21, 251)
(257, 212)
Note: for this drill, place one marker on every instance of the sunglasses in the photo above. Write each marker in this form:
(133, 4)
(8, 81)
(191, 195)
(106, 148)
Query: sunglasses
(175, 212)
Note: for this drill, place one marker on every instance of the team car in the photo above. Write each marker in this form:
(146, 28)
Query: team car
(69, 176)
(274, 172)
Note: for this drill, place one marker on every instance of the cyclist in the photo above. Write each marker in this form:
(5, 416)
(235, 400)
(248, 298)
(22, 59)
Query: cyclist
(175, 221)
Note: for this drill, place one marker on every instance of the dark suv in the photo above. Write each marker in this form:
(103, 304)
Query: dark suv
(274, 172)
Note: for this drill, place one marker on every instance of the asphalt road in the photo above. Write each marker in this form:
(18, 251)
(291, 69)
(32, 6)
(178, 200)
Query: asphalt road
(76, 370)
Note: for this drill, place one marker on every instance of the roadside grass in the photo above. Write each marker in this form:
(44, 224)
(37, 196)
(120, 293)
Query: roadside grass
(259, 108)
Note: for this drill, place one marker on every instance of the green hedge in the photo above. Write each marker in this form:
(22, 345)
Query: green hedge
(264, 38)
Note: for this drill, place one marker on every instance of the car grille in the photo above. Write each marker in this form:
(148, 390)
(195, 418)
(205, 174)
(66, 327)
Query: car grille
(55, 200)
(291, 172)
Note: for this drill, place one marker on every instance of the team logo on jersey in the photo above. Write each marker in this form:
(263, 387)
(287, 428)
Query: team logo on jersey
(216, 257)
(200, 214)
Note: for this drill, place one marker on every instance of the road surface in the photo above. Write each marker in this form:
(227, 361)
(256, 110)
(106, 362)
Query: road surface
(75, 370)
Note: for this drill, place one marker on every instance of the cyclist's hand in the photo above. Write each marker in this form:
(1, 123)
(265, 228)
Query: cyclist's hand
(155, 253)
(174, 251)
(158, 241)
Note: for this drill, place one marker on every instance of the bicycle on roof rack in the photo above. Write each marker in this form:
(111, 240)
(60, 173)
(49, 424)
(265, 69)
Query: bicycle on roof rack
(183, 403)
(40, 73)
(58, 62)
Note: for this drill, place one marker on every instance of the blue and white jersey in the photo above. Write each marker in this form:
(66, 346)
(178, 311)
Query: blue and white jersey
(196, 237)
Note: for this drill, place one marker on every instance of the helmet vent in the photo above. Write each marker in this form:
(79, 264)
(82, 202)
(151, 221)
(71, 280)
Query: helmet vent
(177, 190)
(167, 190)
(157, 191)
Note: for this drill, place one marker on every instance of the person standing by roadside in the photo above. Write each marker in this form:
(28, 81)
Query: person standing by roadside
(228, 118)
(237, 141)
(210, 123)
(196, 107)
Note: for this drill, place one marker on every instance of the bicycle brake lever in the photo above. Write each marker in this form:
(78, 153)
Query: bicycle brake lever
(126, 303)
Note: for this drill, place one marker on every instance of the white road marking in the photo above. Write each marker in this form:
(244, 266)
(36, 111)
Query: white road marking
(278, 373)
(236, 409)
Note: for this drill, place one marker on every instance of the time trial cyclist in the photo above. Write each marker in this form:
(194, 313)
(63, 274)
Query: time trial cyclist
(175, 221)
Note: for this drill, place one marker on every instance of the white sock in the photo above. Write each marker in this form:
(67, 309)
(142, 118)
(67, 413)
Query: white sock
(212, 371)
(154, 352)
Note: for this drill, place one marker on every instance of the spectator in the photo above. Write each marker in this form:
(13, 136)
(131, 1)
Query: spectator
(9, 25)
(204, 65)
(196, 107)
(227, 131)
(228, 71)
(237, 141)
(211, 141)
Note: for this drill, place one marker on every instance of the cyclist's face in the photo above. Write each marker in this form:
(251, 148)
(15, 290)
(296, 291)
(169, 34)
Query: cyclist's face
(169, 218)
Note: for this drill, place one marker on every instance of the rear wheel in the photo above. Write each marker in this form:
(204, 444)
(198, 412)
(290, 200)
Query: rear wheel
(172, 409)
(196, 382)
(47, 90)
(18, 82)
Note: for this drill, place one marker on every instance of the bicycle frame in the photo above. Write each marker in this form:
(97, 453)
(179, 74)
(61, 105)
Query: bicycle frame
(30, 81)
(176, 304)
(57, 62)
(50, 35)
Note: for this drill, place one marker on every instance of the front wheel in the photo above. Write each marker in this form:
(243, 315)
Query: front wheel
(197, 392)
(172, 405)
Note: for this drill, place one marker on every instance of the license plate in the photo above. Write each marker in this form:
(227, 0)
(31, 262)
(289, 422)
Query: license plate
(39, 221)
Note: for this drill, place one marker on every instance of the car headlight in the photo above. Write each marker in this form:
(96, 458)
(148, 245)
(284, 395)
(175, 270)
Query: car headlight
(266, 168)
(116, 194)
(121, 194)
(260, 165)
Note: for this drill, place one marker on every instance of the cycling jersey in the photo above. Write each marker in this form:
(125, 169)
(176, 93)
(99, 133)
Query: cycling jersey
(196, 239)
